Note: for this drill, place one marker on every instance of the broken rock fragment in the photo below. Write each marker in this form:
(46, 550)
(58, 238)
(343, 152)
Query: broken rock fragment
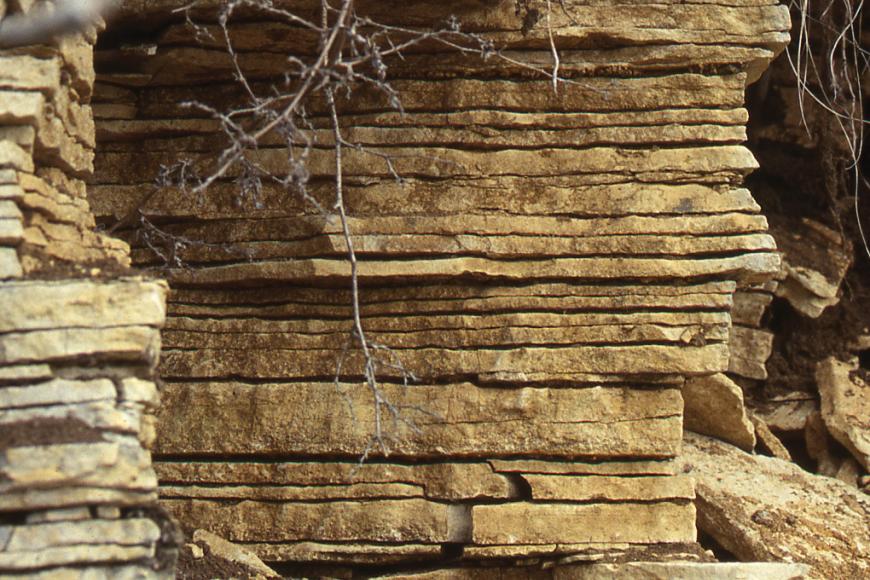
(766, 509)
(846, 405)
(714, 406)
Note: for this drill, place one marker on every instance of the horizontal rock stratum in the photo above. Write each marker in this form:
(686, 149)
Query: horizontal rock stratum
(550, 267)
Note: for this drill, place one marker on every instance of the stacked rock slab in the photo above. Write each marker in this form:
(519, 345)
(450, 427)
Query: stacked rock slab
(552, 268)
(78, 343)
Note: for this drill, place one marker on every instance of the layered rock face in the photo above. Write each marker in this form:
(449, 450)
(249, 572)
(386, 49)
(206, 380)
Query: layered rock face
(552, 267)
(79, 341)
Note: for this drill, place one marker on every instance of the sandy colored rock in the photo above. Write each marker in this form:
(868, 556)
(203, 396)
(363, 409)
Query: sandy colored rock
(23, 72)
(749, 307)
(787, 412)
(266, 336)
(714, 406)
(37, 499)
(683, 571)
(597, 305)
(766, 509)
(25, 373)
(106, 465)
(750, 349)
(496, 247)
(748, 267)
(344, 553)
(57, 391)
(577, 523)
(768, 439)
(429, 364)
(599, 421)
(588, 197)
(10, 266)
(815, 262)
(439, 481)
(609, 488)
(98, 572)
(821, 447)
(130, 343)
(846, 405)
(599, 94)
(228, 551)
(394, 521)
(443, 163)
(41, 545)
(46, 305)
(637, 467)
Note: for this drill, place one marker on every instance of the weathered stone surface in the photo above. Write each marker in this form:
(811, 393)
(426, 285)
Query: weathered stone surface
(228, 551)
(53, 544)
(430, 363)
(637, 467)
(127, 343)
(10, 266)
(598, 94)
(61, 515)
(787, 412)
(577, 523)
(603, 305)
(750, 349)
(749, 307)
(585, 198)
(57, 392)
(345, 553)
(608, 488)
(403, 520)
(714, 406)
(28, 499)
(820, 446)
(766, 509)
(106, 465)
(27, 73)
(748, 267)
(439, 481)
(14, 157)
(543, 243)
(98, 572)
(815, 262)
(25, 373)
(82, 304)
(846, 405)
(624, 571)
(69, 455)
(769, 440)
(602, 421)
(683, 571)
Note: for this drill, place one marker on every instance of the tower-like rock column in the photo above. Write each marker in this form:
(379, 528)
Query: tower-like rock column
(79, 339)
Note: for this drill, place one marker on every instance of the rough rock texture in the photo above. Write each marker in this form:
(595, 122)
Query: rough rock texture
(846, 406)
(807, 350)
(624, 571)
(79, 341)
(766, 509)
(714, 406)
(551, 269)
